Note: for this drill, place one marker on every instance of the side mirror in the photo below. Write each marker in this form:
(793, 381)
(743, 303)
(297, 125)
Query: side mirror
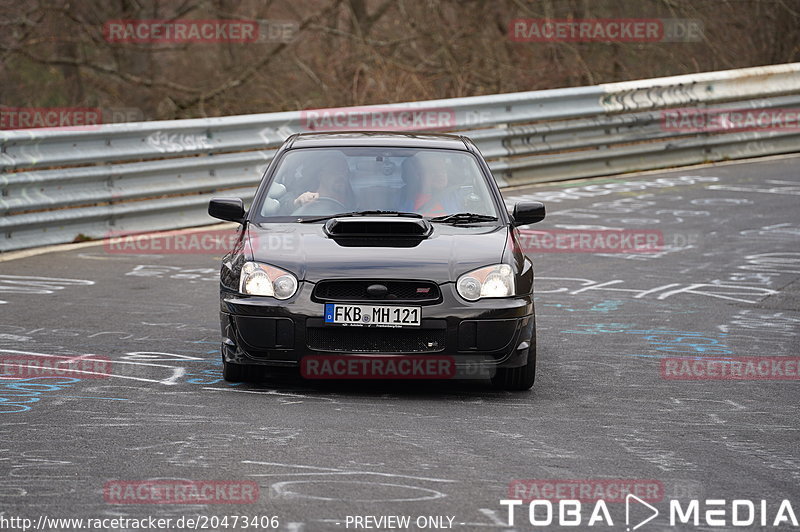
(528, 212)
(228, 209)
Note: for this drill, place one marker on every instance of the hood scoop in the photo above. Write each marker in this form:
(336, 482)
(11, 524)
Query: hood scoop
(378, 231)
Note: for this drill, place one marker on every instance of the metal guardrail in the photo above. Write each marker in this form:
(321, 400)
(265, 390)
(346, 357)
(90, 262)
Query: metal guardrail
(58, 184)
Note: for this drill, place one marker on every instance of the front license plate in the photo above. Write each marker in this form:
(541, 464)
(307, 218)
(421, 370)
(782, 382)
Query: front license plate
(372, 316)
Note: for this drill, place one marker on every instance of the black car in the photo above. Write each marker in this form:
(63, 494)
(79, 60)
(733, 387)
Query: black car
(373, 245)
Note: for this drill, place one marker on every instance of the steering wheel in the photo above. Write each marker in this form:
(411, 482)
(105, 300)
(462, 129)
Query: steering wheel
(321, 205)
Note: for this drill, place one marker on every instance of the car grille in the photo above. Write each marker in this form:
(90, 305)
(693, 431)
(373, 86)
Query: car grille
(356, 290)
(375, 339)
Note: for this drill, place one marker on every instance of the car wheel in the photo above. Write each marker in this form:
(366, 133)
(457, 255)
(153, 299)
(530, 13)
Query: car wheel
(232, 372)
(521, 378)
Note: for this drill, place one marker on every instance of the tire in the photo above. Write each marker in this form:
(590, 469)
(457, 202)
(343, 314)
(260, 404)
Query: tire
(521, 378)
(238, 372)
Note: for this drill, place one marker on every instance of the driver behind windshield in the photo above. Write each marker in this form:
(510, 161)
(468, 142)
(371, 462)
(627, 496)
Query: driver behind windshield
(334, 193)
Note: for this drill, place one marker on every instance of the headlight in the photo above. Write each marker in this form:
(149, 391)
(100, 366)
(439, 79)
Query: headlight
(264, 280)
(491, 281)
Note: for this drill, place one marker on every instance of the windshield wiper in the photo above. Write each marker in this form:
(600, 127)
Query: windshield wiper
(360, 213)
(464, 217)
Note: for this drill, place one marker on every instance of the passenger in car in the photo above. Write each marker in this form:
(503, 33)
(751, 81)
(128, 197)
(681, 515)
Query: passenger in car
(427, 187)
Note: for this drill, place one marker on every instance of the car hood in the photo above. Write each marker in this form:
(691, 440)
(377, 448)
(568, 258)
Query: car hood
(308, 252)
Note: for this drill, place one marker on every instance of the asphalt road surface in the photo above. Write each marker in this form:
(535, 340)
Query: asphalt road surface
(724, 285)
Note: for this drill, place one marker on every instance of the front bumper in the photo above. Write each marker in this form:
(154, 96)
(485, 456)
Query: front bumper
(264, 331)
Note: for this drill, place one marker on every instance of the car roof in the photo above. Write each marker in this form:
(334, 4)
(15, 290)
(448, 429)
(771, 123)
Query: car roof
(378, 138)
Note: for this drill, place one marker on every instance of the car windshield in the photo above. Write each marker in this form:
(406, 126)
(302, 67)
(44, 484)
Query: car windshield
(321, 182)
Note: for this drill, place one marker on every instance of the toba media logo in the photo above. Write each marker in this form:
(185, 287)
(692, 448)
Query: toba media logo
(694, 512)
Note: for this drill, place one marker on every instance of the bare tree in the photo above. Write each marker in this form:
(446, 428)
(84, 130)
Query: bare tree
(355, 52)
